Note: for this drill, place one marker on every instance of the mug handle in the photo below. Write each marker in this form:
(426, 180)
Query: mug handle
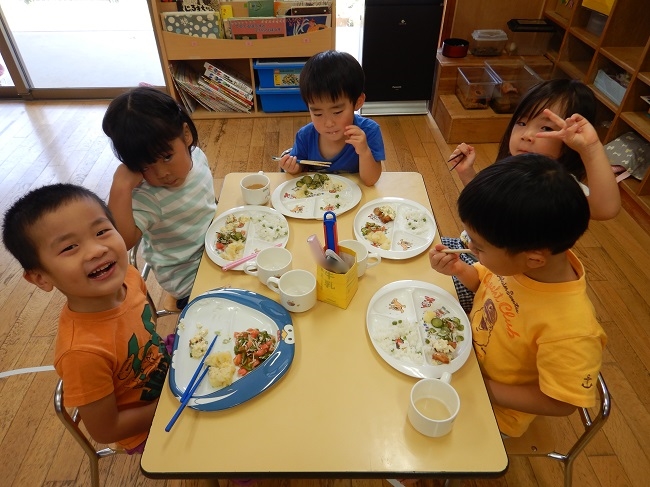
(445, 377)
(273, 283)
(373, 259)
(249, 266)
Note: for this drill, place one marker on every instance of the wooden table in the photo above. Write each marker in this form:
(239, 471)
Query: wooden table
(340, 411)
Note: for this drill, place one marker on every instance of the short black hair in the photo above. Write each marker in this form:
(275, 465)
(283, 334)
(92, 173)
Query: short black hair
(525, 202)
(331, 75)
(142, 124)
(30, 208)
(573, 96)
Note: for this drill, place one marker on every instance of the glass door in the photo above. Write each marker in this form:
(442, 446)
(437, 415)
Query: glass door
(80, 48)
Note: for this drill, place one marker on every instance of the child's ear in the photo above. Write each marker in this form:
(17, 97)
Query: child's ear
(187, 134)
(39, 279)
(360, 101)
(535, 259)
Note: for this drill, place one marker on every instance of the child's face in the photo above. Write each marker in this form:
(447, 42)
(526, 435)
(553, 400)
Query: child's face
(523, 137)
(172, 170)
(331, 117)
(81, 254)
(497, 260)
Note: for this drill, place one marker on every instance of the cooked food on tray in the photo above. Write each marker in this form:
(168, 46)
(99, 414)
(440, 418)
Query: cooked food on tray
(433, 339)
(385, 213)
(232, 235)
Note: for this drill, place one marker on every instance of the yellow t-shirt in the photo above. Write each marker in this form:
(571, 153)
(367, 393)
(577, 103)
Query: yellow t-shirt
(527, 332)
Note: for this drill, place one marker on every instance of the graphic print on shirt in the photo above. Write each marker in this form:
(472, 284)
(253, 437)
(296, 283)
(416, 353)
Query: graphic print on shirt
(483, 330)
(146, 366)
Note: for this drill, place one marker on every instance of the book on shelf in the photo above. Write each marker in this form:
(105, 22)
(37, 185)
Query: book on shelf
(196, 24)
(302, 24)
(254, 27)
(216, 80)
(284, 7)
(188, 81)
(209, 84)
(197, 5)
(228, 74)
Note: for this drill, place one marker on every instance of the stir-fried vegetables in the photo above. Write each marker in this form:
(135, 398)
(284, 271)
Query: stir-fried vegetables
(252, 347)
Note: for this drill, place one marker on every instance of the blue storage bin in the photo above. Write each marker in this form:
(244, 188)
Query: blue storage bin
(281, 100)
(279, 74)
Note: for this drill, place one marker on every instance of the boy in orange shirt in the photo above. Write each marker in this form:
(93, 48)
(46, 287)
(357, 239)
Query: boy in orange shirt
(111, 359)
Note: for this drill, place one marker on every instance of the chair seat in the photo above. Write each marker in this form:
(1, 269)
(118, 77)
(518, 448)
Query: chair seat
(537, 440)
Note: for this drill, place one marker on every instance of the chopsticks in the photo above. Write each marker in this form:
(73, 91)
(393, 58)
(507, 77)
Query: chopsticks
(315, 163)
(459, 160)
(309, 163)
(237, 262)
(192, 385)
(456, 251)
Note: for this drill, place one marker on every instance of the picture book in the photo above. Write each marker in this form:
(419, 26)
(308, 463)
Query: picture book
(196, 24)
(283, 7)
(231, 76)
(196, 5)
(256, 27)
(302, 24)
(260, 8)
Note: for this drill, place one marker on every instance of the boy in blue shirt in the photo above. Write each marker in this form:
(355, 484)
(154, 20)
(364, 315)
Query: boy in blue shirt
(331, 84)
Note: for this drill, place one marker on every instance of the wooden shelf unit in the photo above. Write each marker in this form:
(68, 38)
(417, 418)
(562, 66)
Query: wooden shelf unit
(473, 126)
(234, 53)
(623, 46)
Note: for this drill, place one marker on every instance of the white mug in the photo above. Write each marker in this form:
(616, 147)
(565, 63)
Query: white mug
(270, 262)
(434, 406)
(256, 189)
(365, 259)
(297, 290)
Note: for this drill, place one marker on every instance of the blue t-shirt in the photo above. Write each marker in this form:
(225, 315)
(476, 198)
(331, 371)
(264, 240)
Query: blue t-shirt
(306, 146)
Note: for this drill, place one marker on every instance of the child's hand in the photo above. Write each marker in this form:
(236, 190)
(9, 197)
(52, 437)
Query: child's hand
(290, 164)
(126, 179)
(447, 264)
(357, 138)
(464, 161)
(576, 131)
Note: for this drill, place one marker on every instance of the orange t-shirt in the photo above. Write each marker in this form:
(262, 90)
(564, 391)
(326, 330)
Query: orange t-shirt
(117, 351)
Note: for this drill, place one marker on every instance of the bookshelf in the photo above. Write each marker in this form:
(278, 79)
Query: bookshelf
(622, 47)
(234, 53)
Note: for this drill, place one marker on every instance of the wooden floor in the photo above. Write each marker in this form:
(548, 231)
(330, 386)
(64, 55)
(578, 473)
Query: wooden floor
(47, 142)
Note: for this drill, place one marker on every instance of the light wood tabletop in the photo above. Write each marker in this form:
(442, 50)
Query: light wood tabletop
(340, 411)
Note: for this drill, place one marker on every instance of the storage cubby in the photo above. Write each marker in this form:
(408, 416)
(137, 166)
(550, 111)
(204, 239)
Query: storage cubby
(236, 53)
(576, 57)
(622, 47)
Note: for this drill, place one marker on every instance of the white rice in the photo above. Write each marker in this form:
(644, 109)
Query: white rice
(411, 348)
(416, 222)
(269, 227)
(337, 201)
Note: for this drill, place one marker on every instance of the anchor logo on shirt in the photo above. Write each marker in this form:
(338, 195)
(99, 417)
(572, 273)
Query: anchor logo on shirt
(587, 382)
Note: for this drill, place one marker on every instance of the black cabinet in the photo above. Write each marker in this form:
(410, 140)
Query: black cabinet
(400, 39)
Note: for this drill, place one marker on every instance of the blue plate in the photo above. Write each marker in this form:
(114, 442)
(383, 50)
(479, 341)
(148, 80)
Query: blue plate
(226, 311)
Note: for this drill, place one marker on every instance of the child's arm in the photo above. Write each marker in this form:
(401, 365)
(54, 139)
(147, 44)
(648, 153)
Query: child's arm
(526, 398)
(369, 169)
(451, 265)
(465, 168)
(121, 205)
(107, 425)
(576, 132)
